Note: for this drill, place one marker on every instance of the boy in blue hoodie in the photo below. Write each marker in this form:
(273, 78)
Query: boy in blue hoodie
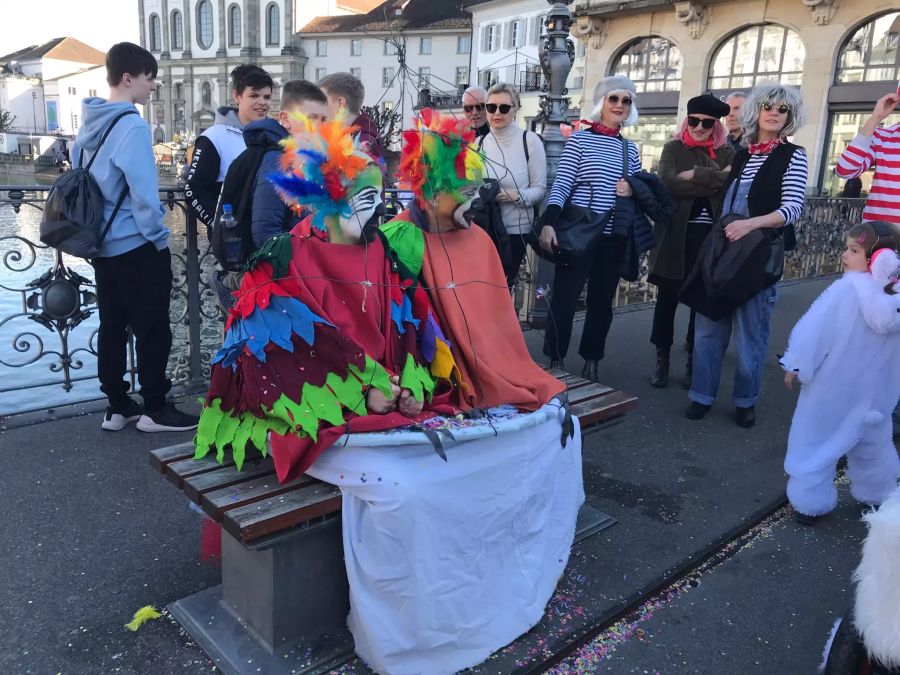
(133, 270)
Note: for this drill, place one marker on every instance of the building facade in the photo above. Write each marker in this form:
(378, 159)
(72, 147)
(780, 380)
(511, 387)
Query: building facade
(842, 55)
(43, 85)
(397, 51)
(507, 41)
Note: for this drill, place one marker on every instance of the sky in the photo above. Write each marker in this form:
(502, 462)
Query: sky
(99, 23)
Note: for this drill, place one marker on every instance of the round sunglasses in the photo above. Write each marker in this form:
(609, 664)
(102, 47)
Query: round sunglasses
(614, 98)
(783, 108)
(478, 106)
(504, 108)
(696, 121)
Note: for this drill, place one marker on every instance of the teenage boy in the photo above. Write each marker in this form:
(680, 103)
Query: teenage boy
(218, 146)
(133, 270)
(346, 92)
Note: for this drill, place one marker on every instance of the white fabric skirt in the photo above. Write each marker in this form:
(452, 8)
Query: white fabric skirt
(449, 561)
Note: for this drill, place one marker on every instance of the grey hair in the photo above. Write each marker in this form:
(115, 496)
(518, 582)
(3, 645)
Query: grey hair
(508, 89)
(475, 89)
(735, 94)
(772, 92)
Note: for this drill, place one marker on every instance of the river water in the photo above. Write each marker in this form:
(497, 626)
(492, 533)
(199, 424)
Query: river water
(31, 382)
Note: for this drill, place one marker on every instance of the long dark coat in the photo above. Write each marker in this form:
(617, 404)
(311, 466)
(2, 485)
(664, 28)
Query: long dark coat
(710, 177)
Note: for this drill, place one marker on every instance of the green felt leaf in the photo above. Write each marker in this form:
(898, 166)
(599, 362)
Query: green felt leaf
(415, 378)
(258, 435)
(206, 429)
(324, 404)
(241, 436)
(374, 376)
(277, 252)
(348, 391)
(408, 242)
(225, 434)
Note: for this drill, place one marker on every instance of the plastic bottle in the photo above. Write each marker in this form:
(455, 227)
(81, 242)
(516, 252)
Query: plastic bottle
(231, 238)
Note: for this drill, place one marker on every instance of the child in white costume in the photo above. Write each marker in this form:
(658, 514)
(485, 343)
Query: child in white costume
(845, 351)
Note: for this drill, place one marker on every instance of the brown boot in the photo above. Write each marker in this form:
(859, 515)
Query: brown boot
(589, 372)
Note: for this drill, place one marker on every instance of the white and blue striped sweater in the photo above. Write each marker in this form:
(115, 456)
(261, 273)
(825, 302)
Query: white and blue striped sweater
(589, 168)
(793, 185)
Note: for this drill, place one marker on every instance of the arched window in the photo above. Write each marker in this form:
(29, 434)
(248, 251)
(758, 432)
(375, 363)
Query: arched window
(652, 63)
(155, 33)
(206, 94)
(871, 54)
(273, 39)
(757, 54)
(234, 26)
(205, 24)
(177, 31)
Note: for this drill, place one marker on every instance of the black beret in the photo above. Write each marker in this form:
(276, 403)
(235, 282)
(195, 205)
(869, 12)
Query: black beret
(707, 104)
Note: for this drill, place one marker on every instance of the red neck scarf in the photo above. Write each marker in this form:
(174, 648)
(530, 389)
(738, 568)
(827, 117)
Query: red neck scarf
(599, 128)
(691, 142)
(765, 148)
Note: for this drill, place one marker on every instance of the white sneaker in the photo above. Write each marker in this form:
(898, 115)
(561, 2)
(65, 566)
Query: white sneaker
(119, 418)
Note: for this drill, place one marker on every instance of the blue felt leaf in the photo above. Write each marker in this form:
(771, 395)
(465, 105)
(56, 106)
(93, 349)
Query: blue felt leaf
(228, 354)
(403, 314)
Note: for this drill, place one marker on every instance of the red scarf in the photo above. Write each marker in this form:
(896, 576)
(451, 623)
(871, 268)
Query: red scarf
(765, 148)
(691, 142)
(599, 128)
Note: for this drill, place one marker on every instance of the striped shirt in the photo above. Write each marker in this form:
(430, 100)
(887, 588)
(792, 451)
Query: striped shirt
(589, 168)
(881, 150)
(793, 184)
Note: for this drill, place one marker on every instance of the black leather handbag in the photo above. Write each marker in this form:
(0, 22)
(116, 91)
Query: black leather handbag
(578, 228)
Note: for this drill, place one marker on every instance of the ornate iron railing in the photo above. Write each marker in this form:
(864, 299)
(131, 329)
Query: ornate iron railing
(48, 321)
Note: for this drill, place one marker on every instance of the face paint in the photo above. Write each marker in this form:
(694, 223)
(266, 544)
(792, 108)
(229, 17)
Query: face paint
(364, 206)
(459, 215)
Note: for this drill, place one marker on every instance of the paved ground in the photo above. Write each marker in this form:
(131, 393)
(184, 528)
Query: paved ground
(92, 534)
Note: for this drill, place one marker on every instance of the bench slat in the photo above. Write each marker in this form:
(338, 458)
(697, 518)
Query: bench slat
(179, 471)
(604, 408)
(217, 502)
(586, 393)
(222, 477)
(160, 457)
(251, 522)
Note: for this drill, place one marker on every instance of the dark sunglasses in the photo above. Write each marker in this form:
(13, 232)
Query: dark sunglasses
(478, 106)
(783, 108)
(696, 121)
(504, 108)
(614, 98)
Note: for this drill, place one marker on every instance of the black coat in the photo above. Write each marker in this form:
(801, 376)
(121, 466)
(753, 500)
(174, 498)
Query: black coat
(651, 201)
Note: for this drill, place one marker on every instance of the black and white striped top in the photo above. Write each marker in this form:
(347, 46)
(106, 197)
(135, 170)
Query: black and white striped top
(793, 185)
(589, 168)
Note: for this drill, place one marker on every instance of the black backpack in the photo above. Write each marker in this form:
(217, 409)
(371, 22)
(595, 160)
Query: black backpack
(237, 190)
(73, 215)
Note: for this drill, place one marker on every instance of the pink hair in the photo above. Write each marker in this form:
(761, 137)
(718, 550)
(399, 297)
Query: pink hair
(719, 135)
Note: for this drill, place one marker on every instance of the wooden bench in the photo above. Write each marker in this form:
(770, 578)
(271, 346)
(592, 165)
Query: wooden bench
(286, 538)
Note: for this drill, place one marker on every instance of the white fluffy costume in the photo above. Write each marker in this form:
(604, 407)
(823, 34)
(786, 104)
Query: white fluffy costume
(846, 353)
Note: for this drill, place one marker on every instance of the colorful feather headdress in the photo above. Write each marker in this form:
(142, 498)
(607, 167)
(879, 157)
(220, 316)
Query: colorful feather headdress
(322, 168)
(438, 155)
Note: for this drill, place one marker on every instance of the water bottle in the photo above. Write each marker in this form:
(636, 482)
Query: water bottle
(231, 238)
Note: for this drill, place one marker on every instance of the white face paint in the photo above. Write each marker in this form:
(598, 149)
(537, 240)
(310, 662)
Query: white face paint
(363, 207)
(459, 215)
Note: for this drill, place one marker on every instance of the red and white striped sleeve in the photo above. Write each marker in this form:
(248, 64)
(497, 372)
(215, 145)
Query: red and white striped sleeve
(858, 157)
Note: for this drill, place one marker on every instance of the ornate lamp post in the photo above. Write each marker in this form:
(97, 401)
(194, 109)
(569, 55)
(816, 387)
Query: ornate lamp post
(557, 54)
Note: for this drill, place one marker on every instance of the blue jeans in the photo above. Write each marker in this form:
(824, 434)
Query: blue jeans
(751, 326)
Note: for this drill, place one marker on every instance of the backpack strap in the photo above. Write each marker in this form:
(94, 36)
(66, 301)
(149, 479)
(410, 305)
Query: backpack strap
(625, 162)
(525, 145)
(113, 215)
(103, 138)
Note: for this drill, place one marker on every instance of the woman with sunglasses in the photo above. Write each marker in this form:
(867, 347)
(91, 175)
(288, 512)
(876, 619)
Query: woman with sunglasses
(516, 158)
(590, 175)
(694, 167)
(765, 191)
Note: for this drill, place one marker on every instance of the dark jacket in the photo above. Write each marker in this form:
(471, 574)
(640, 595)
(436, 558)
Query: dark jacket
(270, 215)
(368, 134)
(650, 201)
(667, 260)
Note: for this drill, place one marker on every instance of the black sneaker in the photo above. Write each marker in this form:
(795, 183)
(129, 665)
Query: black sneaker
(696, 411)
(169, 418)
(805, 519)
(120, 417)
(745, 417)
